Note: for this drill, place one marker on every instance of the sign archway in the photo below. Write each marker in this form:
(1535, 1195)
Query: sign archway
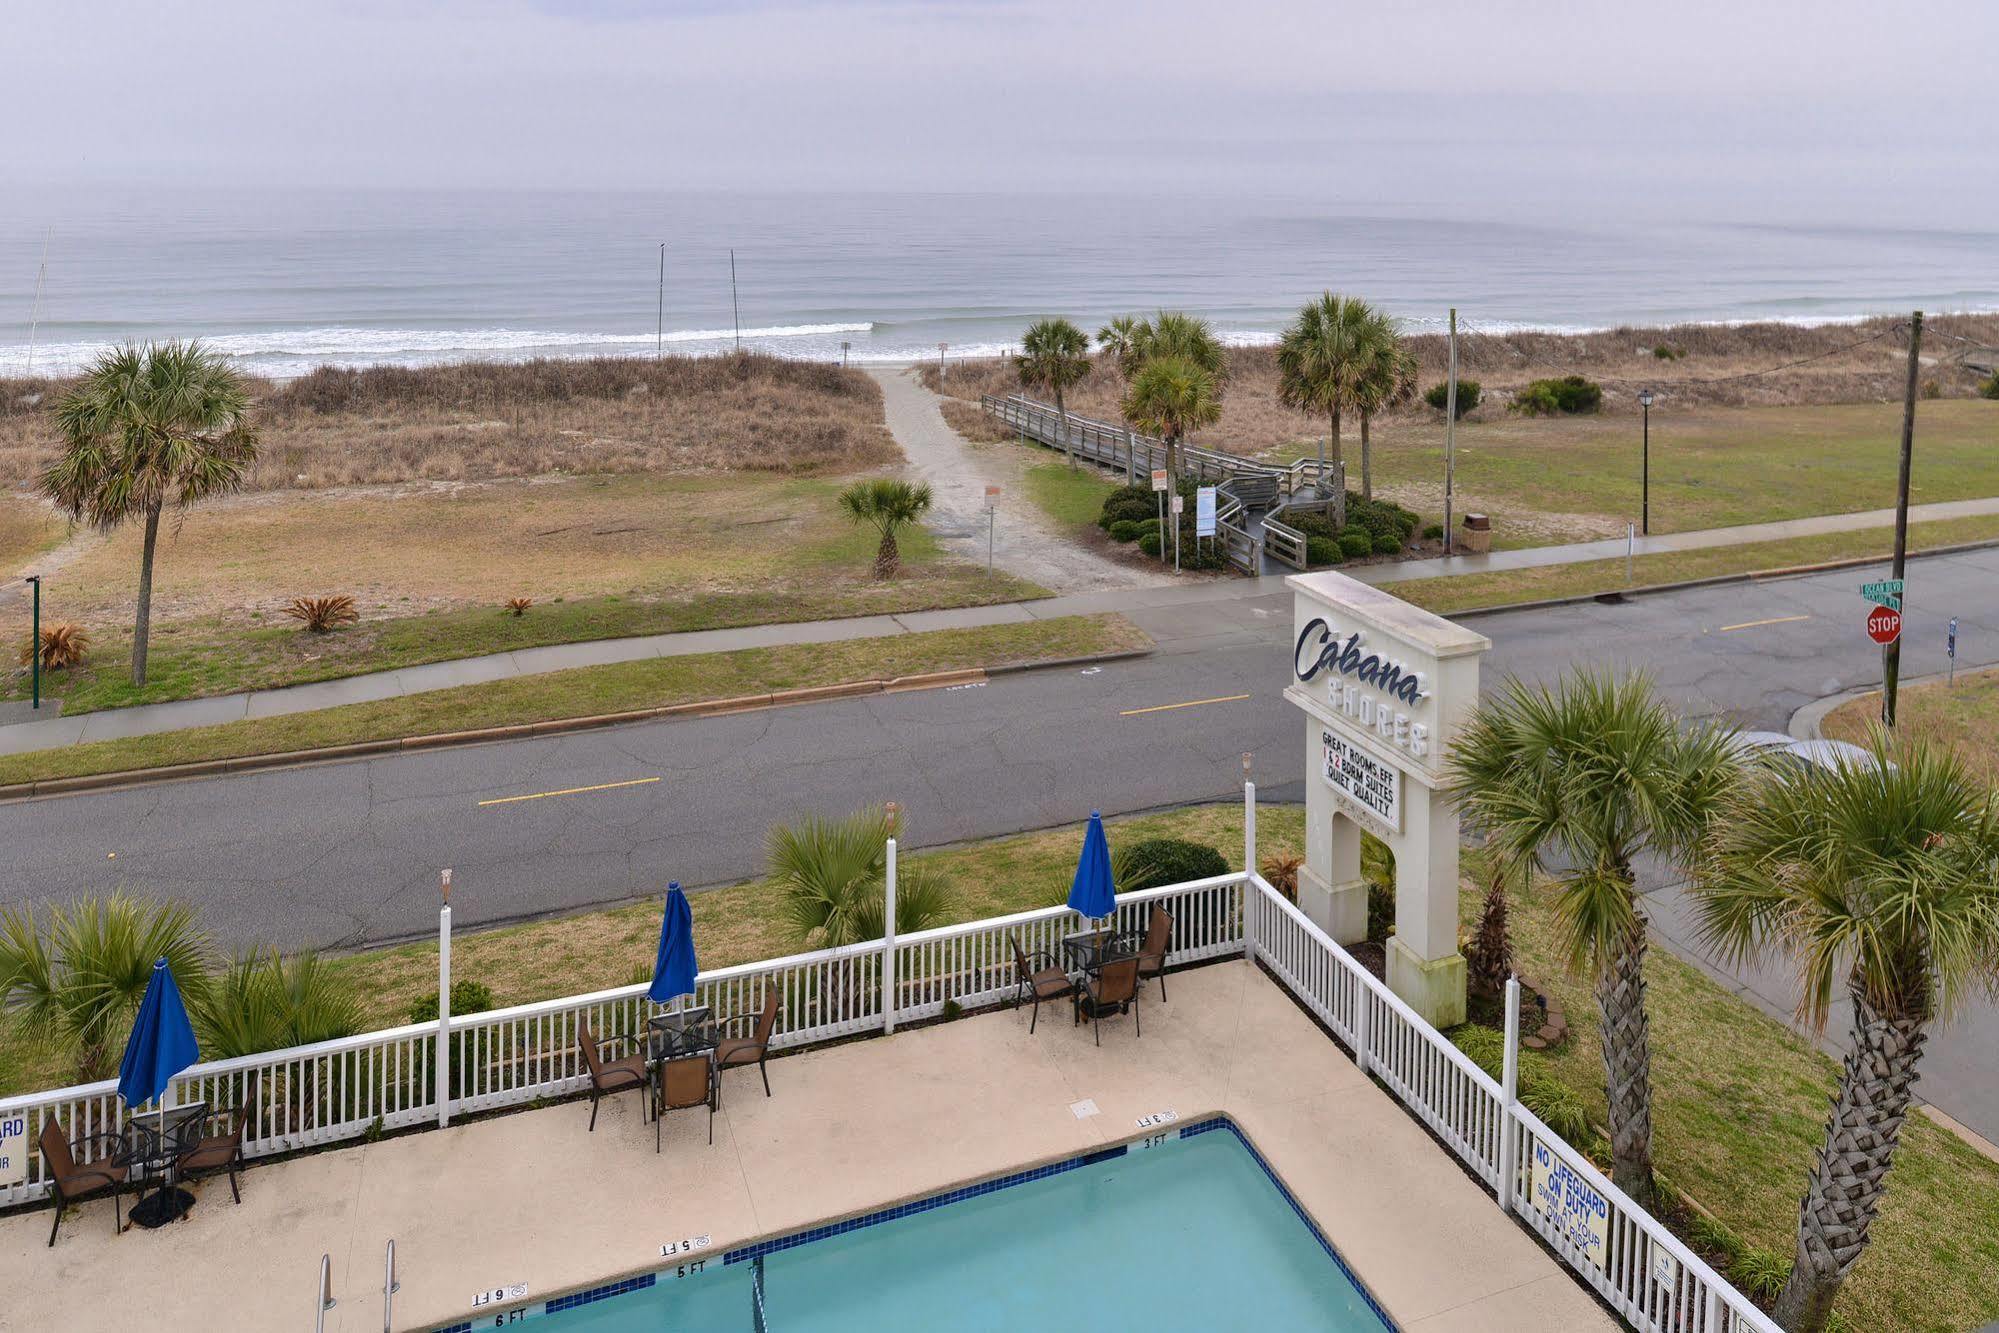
(1385, 687)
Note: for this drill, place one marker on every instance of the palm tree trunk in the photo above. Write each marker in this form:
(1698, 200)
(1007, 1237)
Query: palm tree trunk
(1847, 1184)
(1063, 429)
(888, 559)
(142, 629)
(1627, 1065)
(1366, 460)
(1337, 456)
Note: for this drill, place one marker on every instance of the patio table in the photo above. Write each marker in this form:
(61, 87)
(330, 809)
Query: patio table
(1089, 950)
(154, 1145)
(681, 1032)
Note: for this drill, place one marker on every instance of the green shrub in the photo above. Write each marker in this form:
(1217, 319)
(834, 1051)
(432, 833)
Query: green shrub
(1356, 544)
(1667, 352)
(1149, 543)
(1158, 861)
(1433, 532)
(1439, 396)
(1124, 530)
(1989, 387)
(467, 997)
(1570, 394)
(1322, 551)
(1759, 1273)
(1386, 545)
(1124, 507)
(1311, 524)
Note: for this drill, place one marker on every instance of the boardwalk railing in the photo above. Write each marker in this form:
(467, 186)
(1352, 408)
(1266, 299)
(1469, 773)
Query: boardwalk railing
(359, 1086)
(1242, 484)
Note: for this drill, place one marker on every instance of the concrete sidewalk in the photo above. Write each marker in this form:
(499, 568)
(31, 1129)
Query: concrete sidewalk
(153, 719)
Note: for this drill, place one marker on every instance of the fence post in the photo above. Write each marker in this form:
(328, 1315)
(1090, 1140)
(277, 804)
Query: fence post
(444, 1006)
(1363, 1006)
(888, 948)
(1130, 460)
(1509, 1087)
(1248, 865)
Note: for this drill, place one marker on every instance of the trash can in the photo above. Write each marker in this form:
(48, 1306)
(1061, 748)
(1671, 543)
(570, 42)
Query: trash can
(1477, 536)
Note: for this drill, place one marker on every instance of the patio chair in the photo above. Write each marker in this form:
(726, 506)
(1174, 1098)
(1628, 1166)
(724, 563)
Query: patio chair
(1038, 983)
(687, 1081)
(626, 1074)
(71, 1181)
(753, 1049)
(1114, 986)
(207, 1154)
(1152, 950)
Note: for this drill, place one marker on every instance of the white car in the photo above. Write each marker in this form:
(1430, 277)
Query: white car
(1783, 751)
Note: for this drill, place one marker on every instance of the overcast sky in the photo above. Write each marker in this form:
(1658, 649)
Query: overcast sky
(1740, 109)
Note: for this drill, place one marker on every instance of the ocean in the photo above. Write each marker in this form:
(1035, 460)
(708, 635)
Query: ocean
(285, 281)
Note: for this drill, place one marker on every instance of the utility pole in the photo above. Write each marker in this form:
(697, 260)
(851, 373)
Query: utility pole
(1450, 430)
(734, 304)
(1891, 654)
(1645, 466)
(659, 337)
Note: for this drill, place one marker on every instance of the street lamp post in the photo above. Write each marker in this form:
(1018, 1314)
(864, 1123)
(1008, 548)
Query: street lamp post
(1645, 504)
(35, 641)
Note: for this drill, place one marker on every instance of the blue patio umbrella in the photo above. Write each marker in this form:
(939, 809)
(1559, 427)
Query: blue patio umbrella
(673, 972)
(1093, 893)
(161, 1045)
(162, 1041)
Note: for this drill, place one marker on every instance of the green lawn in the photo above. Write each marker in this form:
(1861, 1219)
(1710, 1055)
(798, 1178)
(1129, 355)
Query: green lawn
(1460, 592)
(1963, 717)
(211, 655)
(1072, 499)
(1547, 480)
(585, 691)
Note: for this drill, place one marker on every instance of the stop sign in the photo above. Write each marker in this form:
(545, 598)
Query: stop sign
(1883, 626)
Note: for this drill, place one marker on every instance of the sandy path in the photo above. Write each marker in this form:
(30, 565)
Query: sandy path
(1024, 542)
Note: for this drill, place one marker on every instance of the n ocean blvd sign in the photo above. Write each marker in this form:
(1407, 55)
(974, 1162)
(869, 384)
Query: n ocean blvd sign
(1886, 592)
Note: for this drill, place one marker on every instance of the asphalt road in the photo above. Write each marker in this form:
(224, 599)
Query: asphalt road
(346, 853)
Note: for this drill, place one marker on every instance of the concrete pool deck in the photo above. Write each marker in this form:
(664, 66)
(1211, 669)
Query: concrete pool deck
(532, 1198)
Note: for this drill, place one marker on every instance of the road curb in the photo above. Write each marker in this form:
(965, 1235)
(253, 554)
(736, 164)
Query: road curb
(1806, 721)
(1081, 659)
(1713, 580)
(478, 736)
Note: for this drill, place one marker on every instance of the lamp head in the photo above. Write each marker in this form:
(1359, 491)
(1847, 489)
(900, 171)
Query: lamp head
(1644, 398)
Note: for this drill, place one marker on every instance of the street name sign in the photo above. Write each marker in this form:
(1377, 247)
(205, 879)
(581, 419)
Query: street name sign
(1887, 592)
(1884, 625)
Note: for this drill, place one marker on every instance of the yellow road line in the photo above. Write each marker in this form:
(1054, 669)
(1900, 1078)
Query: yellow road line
(1774, 620)
(1191, 703)
(569, 791)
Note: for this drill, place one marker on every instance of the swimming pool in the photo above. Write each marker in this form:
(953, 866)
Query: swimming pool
(1184, 1230)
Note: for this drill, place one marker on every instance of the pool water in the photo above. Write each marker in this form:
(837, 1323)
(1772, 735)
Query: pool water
(1190, 1233)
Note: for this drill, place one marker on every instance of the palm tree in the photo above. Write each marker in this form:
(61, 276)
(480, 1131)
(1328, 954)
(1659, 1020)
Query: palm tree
(1171, 333)
(1323, 358)
(1119, 339)
(1581, 779)
(832, 879)
(1389, 381)
(75, 980)
(1877, 881)
(164, 425)
(1054, 354)
(1168, 397)
(264, 1002)
(887, 504)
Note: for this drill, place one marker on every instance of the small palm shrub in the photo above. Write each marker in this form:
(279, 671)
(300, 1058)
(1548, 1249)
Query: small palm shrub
(1322, 551)
(1281, 870)
(323, 614)
(1439, 396)
(474, 997)
(1356, 544)
(1568, 395)
(832, 880)
(64, 644)
(73, 977)
(519, 605)
(885, 504)
(264, 1002)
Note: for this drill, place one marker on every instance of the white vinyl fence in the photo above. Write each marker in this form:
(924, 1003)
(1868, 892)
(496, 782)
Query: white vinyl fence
(357, 1086)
